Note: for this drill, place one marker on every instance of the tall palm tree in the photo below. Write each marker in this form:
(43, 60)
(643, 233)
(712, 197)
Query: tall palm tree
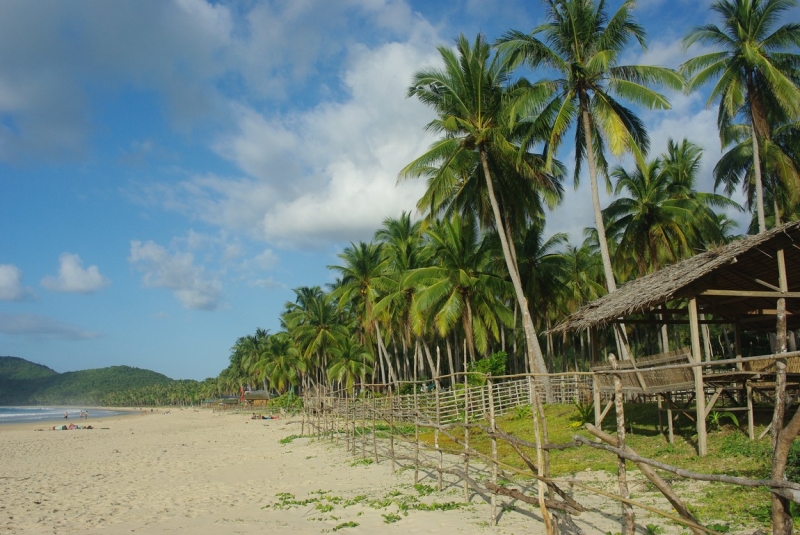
(351, 361)
(583, 45)
(316, 324)
(458, 288)
(756, 74)
(476, 117)
(363, 266)
(286, 364)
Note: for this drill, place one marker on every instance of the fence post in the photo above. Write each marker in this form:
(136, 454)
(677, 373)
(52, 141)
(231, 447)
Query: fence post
(391, 427)
(436, 433)
(374, 438)
(466, 436)
(490, 393)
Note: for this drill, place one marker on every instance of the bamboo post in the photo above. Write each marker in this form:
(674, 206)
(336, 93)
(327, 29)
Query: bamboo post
(436, 434)
(415, 414)
(700, 395)
(536, 407)
(466, 435)
(492, 426)
(374, 438)
(363, 405)
(391, 427)
(628, 522)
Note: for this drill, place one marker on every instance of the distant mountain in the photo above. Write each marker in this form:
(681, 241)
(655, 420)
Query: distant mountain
(24, 383)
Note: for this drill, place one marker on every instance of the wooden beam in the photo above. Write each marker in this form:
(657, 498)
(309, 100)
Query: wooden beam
(751, 293)
(700, 396)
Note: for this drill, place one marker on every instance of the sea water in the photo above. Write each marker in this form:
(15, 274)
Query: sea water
(40, 414)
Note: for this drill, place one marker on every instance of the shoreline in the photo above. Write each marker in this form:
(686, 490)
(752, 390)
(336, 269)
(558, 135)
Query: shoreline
(121, 412)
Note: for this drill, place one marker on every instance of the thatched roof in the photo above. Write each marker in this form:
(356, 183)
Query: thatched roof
(746, 264)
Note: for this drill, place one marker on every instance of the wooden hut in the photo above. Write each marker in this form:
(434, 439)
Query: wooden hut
(752, 284)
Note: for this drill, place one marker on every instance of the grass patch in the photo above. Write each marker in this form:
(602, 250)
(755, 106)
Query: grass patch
(730, 451)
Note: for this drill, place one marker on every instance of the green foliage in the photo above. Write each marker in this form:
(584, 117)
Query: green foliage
(715, 418)
(722, 528)
(793, 463)
(391, 518)
(653, 529)
(495, 364)
(585, 414)
(287, 401)
(23, 383)
(521, 412)
(343, 525)
(289, 439)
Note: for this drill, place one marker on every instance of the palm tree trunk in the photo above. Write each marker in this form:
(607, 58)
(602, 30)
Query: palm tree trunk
(382, 350)
(762, 224)
(534, 350)
(611, 283)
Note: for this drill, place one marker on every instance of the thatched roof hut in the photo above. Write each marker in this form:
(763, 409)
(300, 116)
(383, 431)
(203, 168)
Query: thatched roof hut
(736, 282)
(752, 283)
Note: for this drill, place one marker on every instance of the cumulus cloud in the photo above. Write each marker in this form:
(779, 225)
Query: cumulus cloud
(74, 278)
(42, 327)
(328, 173)
(11, 288)
(177, 272)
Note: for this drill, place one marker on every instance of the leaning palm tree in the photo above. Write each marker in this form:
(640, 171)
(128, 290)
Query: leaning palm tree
(477, 113)
(756, 72)
(583, 45)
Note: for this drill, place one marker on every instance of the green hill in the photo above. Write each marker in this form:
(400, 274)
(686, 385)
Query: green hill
(24, 383)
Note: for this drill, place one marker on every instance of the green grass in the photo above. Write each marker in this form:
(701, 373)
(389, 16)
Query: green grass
(730, 451)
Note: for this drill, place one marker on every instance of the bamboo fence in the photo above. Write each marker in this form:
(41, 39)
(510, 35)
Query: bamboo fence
(382, 424)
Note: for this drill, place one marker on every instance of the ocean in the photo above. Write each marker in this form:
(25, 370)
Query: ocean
(17, 415)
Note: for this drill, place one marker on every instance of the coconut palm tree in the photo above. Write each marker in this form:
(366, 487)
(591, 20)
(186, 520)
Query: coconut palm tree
(351, 361)
(477, 113)
(755, 71)
(458, 288)
(285, 364)
(316, 324)
(363, 266)
(583, 45)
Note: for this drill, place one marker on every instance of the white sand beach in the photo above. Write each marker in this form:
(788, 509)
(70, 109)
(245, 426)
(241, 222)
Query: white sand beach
(198, 472)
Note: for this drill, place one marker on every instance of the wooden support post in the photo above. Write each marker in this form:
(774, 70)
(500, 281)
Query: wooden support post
(598, 419)
(670, 429)
(492, 426)
(628, 520)
(438, 386)
(466, 433)
(391, 427)
(700, 396)
(374, 430)
(750, 416)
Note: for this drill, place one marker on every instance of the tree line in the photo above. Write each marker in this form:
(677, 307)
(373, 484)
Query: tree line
(478, 274)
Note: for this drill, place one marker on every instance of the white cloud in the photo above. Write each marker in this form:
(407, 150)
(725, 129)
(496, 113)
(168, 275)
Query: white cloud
(42, 327)
(330, 173)
(73, 277)
(11, 288)
(176, 272)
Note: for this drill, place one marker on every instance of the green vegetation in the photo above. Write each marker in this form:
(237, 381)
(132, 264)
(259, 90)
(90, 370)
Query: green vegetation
(24, 383)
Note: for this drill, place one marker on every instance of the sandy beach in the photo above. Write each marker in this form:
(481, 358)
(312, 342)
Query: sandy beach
(198, 472)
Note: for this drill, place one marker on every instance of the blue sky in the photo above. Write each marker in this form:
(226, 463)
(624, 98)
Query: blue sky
(171, 169)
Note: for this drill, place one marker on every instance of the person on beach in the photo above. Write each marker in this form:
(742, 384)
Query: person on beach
(66, 415)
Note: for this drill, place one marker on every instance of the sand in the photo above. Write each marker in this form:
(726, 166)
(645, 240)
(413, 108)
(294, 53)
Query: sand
(198, 472)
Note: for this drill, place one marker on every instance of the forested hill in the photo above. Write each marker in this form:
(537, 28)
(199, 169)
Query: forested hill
(24, 383)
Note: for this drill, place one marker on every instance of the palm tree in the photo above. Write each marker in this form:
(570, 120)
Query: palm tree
(476, 116)
(316, 324)
(403, 252)
(583, 44)
(458, 288)
(284, 367)
(363, 266)
(756, 75)
(351, 361)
